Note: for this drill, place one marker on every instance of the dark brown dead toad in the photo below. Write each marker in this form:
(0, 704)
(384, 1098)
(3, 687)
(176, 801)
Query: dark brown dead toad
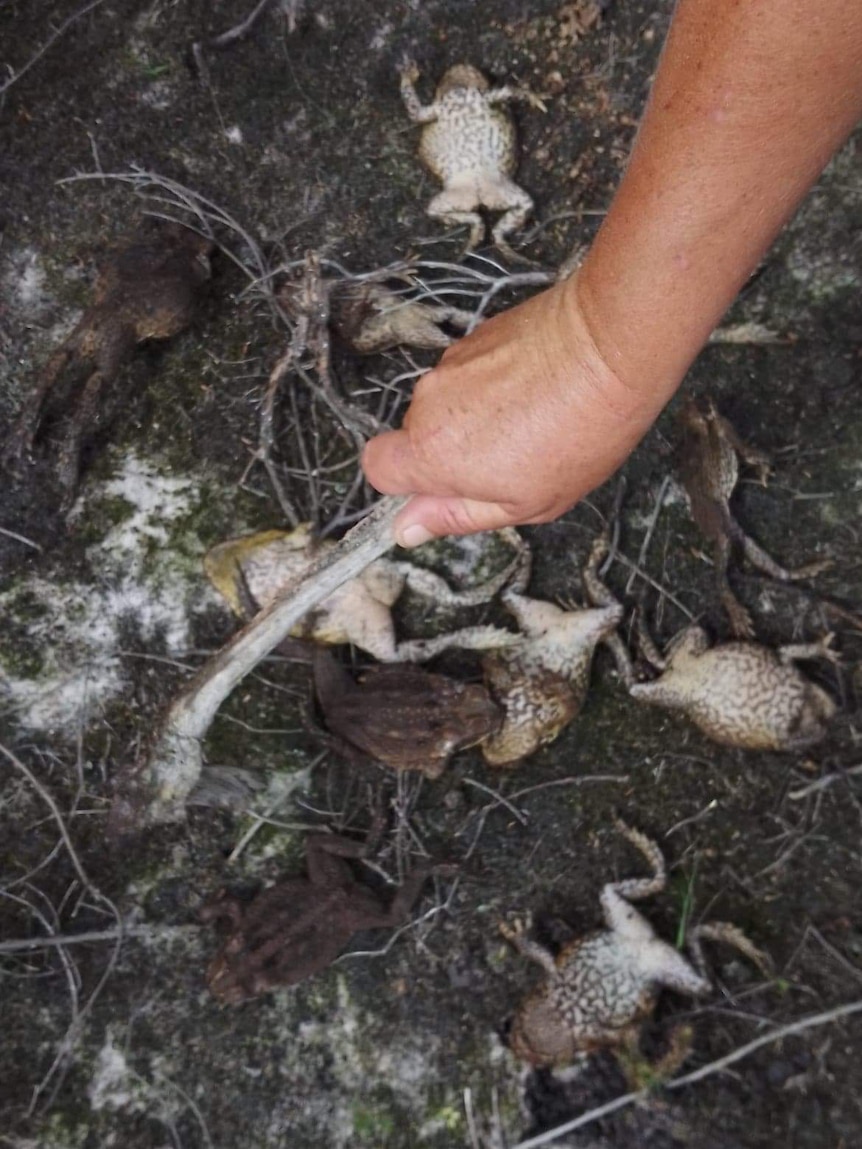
(147, 291)
(403, 716)
(709, 454)
(299, 926)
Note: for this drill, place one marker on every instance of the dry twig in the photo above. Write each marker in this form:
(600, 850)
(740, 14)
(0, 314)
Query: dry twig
(49, 43)
(57, 1070)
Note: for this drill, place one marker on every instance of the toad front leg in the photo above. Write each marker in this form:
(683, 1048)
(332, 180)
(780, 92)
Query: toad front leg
(416, 111)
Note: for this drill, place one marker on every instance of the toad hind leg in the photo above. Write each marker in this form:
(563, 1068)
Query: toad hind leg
(634, 889)
(800, 651)
(458, 316)
(731, 935)
(518, 206)
(469, 638)
(405, 897)
(456, 205)
(84, 416)
(21, 438)
(758, 557)
(431, 586)
(598, 594)
(740, 620)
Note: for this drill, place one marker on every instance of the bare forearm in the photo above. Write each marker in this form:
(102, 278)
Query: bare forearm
(751, 98)
(540, 404)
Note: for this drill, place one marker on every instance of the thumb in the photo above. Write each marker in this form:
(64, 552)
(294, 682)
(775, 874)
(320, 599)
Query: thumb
(427, 517)
(390, 464)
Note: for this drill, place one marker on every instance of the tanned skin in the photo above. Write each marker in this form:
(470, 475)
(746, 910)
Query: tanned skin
(542, 403)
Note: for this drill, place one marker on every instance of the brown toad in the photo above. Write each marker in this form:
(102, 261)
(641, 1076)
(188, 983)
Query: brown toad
(541, 682)
(249, 572)
(709, 454)
(402, 716)
(299, 926)
(741, 693)
(469, 143)
(602, 987)
(149, 290)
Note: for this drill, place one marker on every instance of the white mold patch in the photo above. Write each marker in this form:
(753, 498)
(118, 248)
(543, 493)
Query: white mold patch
(66, 660)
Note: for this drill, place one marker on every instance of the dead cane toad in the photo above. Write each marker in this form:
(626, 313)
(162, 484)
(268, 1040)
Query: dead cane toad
(299, 926)
(741, 693)
(249, 572)
(468, 141)
(149, 290)
(601, 987)
(709, 454)
(402, 716)
(541, 682)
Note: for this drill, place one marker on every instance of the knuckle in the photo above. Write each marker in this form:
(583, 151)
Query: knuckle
(467, 517)
(458, 519)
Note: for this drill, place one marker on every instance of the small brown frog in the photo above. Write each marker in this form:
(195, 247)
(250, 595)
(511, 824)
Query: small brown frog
(469, 143)
(249, 572)
(741, 693)
(402, 716)
(299, 926)
(541, 682)
(602, 987)
(371, 317)
(149, 290)
(709, 454)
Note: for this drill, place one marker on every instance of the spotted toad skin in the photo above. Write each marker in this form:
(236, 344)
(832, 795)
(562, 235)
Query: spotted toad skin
(600, 988)
(469, 142)
(541, 682)
(743, 694)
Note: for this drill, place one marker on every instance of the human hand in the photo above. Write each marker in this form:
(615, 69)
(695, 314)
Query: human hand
(517, 422)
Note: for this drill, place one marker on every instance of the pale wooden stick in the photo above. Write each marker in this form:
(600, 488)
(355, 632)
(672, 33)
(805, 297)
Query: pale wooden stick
(175, 758)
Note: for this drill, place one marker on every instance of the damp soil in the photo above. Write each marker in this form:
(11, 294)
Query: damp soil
(298, 132)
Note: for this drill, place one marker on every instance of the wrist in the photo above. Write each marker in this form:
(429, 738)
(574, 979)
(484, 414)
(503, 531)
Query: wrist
(640, 380)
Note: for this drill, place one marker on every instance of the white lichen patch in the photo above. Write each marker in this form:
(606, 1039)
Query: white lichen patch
(25, 281)
(117, 1087)
(357, 1060)
(378, 1076)
(67, 661)
(158, 95)
(112, 1085)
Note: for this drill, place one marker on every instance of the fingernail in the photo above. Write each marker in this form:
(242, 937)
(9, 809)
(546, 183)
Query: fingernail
(413, 536)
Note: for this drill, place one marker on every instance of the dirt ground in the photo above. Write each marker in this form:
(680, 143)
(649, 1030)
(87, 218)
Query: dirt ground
(297, 131)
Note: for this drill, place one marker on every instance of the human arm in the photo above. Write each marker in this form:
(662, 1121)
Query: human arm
(543, 402)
